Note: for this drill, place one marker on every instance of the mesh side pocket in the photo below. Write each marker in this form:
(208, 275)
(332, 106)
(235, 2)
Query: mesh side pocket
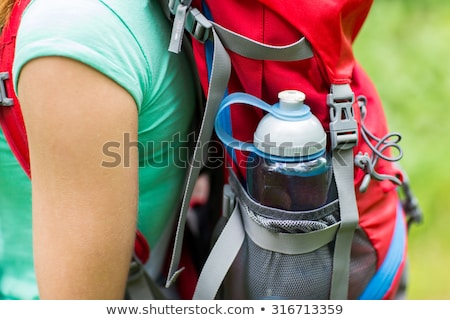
(258, 273)
(263, 269)
(272, 275)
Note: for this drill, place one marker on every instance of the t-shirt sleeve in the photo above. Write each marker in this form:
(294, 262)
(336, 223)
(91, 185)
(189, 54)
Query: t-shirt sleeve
(86, 31)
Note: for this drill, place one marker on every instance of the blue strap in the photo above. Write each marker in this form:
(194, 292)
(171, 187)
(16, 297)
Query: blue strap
(382, 280)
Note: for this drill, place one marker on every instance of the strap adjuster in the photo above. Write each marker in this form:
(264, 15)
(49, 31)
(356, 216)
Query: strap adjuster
(198, 26)
(189, 19)
(343, 126)
(4, 100)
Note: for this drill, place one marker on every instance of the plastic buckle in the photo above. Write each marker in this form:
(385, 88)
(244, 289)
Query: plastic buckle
(187, 19)
(4, 100)
(198, 26)
(343, 126)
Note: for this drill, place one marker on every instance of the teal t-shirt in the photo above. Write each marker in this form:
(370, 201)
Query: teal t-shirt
(17, 279)
(127, 41)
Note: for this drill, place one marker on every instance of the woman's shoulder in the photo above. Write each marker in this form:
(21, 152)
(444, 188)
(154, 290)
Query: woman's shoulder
(138, 19)
(101, 34)
(84, 19)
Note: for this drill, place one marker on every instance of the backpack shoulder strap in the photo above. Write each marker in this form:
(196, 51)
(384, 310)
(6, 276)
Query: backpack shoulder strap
(11, 119)
(191, 20)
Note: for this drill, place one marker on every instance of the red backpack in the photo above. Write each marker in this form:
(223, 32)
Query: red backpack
(10, 115)
(262, 47)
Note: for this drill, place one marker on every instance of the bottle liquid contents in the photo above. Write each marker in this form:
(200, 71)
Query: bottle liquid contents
(289, 169)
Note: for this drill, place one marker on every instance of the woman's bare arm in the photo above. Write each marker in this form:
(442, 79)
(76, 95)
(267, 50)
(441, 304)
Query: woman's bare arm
(84, 214)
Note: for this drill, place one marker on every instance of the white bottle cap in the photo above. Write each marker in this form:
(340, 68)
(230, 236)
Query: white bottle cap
(291, 99)
(296, 137)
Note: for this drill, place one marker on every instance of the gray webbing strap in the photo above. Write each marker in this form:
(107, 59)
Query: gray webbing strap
(288, 243)
(140, 285)
(250, 48)
(220, 74)
(343, 130)
(192, 20)
(155, 265)
(220, 258)
(179, 21)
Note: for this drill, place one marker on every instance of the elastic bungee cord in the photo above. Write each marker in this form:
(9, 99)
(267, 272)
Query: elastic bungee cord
(368, 163)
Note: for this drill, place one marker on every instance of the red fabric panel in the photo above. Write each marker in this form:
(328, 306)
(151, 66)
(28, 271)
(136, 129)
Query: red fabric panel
(265, 79)
(11, 119)
(331, 27)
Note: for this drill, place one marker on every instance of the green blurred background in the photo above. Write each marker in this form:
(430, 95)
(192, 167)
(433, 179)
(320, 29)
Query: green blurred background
(405, 47)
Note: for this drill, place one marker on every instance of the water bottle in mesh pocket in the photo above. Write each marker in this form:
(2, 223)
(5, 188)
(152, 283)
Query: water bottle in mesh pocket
(289, 255)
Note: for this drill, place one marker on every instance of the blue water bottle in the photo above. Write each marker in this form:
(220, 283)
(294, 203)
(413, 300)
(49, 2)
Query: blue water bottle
(287, 166)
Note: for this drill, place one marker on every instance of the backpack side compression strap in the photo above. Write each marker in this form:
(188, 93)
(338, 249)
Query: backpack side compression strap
(344, 136)
(222, 255)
